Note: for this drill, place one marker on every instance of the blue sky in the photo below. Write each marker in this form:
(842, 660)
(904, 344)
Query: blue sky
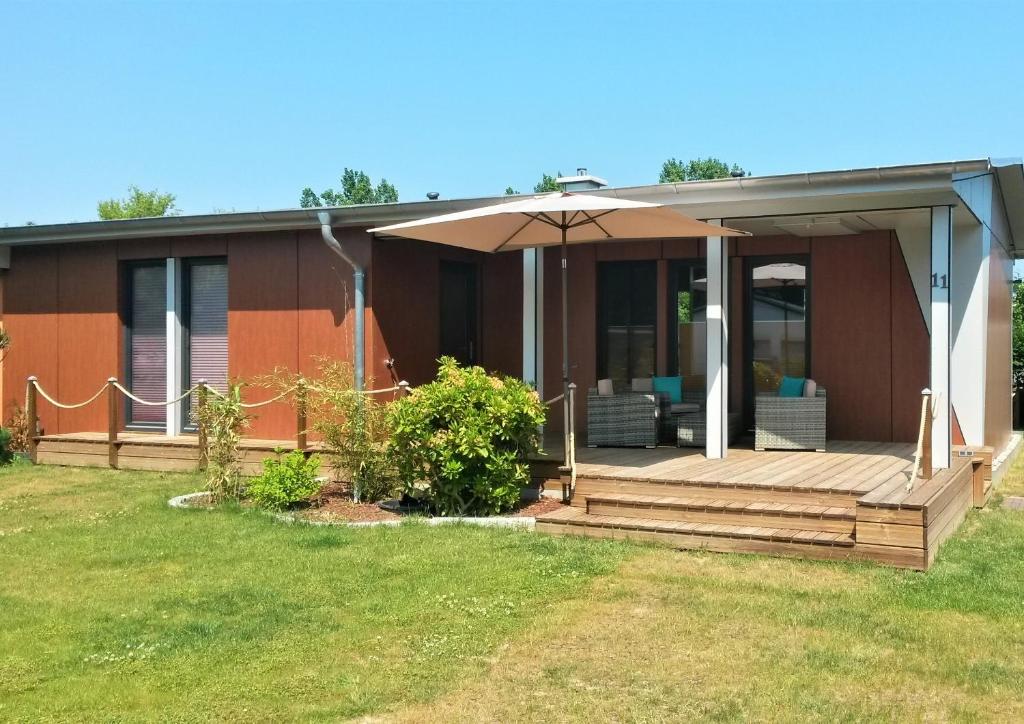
(237, 106)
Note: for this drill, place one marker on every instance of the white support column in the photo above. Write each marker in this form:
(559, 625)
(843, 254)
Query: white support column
(941, 338)
(174, 371)
(717, 346)
(533, 318)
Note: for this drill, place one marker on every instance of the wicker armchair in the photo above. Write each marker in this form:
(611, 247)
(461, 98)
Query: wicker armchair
(668, 420)
(790, 423)
(625, 419)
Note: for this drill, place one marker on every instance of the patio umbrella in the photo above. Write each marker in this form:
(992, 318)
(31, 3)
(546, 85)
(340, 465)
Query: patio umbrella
(559, 218)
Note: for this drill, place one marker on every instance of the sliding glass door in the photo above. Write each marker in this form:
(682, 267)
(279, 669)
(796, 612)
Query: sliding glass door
(153, 346)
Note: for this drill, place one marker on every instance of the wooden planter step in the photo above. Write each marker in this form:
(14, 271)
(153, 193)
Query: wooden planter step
(723, 511)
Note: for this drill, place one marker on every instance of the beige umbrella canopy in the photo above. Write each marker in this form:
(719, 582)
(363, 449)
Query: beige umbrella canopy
(557, 218)
(541, 220)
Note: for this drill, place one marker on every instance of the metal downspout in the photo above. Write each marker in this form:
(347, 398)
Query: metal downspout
(359, 279)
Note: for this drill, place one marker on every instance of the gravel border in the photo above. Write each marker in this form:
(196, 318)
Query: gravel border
(185, 501)
(524, 523)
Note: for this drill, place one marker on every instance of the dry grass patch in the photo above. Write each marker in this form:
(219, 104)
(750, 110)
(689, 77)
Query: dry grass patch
(728, 637)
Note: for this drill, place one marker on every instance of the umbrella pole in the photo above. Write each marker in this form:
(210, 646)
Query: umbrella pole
(568, 423)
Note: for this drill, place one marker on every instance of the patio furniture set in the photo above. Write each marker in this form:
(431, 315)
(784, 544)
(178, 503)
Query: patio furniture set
(657, 410)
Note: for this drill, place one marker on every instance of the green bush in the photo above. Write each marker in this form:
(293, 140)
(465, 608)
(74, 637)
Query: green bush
(223, 419)
(461, 442)
(355, 431)
(6, 453)
(285, 481)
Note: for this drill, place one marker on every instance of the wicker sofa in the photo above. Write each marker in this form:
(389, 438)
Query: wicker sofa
(790, 423)
(624, 419)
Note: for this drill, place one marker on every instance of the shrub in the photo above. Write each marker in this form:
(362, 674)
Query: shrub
(356, 432)
(222, 420)
(17, 425)
(466, 435)
(285, 481)
(6, 454)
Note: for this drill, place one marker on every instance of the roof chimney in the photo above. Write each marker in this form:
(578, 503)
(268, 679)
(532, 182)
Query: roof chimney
(582, 181)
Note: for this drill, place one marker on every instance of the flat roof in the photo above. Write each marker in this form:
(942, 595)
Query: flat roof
(908, 186)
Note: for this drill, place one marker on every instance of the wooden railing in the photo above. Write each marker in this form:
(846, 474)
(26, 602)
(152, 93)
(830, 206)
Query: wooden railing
(300, 392)
(567, 470)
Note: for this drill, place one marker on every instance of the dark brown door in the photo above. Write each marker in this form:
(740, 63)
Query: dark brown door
(459, 301)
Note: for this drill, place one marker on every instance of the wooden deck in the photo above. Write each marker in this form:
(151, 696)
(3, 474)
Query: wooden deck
(849, 502)
(146, 451)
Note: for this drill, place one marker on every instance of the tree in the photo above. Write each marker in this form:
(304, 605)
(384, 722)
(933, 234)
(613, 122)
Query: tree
(696, 169)
(139, 204)
(509, 191)
(547, 183)
(356, 188)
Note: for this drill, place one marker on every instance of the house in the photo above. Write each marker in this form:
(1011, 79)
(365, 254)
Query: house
(877, 283)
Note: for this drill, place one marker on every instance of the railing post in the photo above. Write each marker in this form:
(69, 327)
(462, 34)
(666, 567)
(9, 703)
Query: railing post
(201, 393)
(926, 443)
(567, 472)
(300, 415)
(31, 418)
(112, 422)
(404, 388)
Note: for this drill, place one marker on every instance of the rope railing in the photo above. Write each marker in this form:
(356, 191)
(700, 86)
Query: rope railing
(300, 390)
(158, 403)
(33, 382)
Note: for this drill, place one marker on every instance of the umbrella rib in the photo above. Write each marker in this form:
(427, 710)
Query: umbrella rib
(593, 220)
(529, 220)
(542, 216)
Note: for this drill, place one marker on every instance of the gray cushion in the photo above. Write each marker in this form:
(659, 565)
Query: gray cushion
(604, 387)
(681, 408)
(643, 384)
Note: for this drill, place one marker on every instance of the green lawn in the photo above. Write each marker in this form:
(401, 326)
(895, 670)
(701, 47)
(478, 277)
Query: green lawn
(113, 606)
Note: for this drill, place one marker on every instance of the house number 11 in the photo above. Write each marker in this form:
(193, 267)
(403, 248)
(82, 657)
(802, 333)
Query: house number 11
(940, 281)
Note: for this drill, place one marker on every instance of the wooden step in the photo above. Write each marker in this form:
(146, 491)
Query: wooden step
(688, 534)
(595, 487)
(743, 513)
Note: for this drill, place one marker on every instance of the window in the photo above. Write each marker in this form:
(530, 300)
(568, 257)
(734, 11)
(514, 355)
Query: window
(146, 341)
(627, 319)
(205, 326)
(687, 314)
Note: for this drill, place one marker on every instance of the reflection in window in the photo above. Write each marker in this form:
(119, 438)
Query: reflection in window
(688, 324)
(778, 294)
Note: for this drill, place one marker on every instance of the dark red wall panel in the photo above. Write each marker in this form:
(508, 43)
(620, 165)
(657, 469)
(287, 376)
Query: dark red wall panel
(262, 320)
(851, 343)
(31, 319)
(501, 290)
(89, 334)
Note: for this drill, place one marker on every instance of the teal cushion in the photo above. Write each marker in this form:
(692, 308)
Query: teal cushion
(672, 386)
(791, 387)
